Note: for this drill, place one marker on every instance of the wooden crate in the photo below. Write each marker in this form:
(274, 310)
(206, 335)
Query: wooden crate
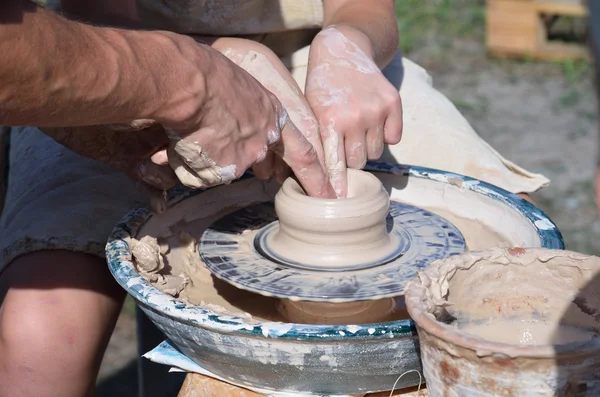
(515, 28)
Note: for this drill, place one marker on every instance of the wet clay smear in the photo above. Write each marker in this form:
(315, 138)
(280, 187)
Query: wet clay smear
(526, 333)
(531, 302)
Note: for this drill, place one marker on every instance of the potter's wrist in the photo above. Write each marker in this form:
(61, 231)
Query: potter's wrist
(176, 68)
(353, 34)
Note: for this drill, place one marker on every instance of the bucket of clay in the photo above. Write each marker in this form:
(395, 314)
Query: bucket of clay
(509, 322)
(243, 347)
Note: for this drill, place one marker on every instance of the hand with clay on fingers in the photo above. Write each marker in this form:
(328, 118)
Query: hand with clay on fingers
(358, 110)
(266, 67)
(235, 128)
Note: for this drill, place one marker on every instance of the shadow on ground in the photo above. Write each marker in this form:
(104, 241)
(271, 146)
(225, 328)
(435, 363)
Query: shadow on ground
(122, 383)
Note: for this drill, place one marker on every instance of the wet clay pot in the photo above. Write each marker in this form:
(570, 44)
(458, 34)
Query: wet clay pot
(509, 322)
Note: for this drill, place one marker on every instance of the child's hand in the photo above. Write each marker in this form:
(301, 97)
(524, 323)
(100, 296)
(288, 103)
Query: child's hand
(358, 110)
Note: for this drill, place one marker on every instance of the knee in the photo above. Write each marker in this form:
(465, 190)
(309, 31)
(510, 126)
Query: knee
(52, 330)
(27, 333)
(38, 350)
(41, 345)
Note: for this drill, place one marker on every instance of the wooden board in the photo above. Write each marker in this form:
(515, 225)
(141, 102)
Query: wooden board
(197, 385)
(514, 28)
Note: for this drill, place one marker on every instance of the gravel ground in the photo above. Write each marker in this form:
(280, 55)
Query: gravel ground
(542, 116)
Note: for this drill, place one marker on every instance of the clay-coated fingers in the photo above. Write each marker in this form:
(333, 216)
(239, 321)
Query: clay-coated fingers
(161, 177)
(281, 171)
(335, 160)
(315, 140)
(264, 169)
(302, 116)
(375, 140)
(392, 129)
(355, 147)
(300, 155)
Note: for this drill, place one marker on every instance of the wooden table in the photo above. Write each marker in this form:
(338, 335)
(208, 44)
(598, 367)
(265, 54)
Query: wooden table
(197, 385)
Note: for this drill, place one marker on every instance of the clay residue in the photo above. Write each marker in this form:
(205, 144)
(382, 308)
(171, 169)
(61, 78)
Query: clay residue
(483, 221)
(193, 166)
(518, 297)
(149, 258)
(527, 333)
(361, 312)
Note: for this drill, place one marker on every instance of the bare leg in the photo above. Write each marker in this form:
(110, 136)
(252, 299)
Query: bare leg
(58, 309)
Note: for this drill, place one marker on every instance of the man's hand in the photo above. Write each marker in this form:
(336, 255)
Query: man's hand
(357, 108)
(222, 121)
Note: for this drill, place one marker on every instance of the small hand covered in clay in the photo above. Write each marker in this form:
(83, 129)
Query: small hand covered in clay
(357, 108)
(234, 128)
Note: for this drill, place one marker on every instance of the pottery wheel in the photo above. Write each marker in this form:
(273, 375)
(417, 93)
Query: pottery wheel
(235, 249)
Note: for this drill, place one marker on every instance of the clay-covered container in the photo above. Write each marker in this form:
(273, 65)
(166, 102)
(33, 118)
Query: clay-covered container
(509, 322)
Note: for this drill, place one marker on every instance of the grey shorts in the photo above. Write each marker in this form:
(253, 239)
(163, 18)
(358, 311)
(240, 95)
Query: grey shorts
(57, 199)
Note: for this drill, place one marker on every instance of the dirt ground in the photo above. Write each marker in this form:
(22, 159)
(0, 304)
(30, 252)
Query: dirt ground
(542, 116)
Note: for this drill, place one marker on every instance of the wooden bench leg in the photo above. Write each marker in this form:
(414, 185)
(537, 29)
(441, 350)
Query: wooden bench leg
(196, 385)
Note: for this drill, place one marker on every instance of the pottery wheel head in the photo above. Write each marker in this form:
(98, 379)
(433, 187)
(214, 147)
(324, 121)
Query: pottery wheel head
(363, 247)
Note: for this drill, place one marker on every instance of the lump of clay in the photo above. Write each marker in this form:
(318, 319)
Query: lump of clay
(172, 285)
(148, 255)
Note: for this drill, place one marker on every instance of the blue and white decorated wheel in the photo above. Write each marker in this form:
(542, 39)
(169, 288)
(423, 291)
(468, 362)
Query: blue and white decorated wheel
(233, 249)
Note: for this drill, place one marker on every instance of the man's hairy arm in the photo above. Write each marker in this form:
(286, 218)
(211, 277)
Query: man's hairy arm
(58, 72)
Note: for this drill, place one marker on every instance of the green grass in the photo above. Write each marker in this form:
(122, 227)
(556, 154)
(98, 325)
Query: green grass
(128, 307)
(420, 21)
(477, 107)
(574, 70)
(583, 236)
